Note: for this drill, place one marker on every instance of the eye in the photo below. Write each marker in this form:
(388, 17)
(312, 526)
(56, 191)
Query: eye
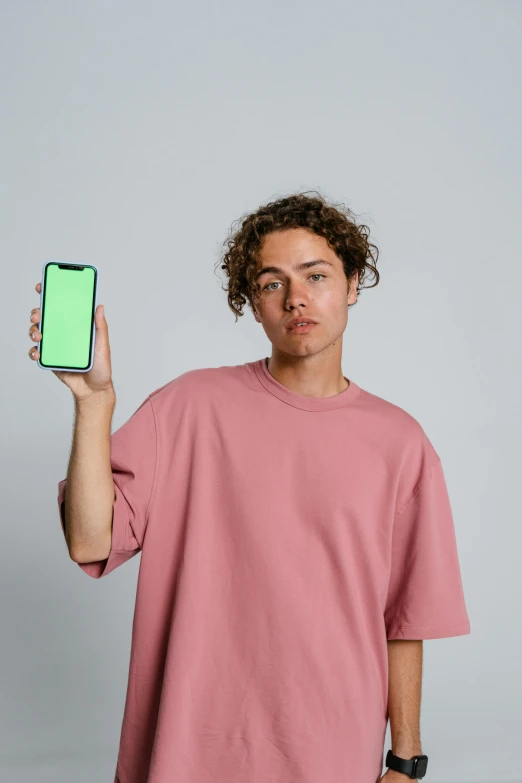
(267, 287)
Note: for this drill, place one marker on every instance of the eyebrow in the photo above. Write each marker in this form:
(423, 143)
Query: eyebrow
(305, 265)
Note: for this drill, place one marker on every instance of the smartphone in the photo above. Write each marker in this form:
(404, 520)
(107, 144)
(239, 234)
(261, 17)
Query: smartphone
(68, 297)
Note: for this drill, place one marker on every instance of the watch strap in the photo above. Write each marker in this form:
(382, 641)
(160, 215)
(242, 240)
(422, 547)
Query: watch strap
(415, 767)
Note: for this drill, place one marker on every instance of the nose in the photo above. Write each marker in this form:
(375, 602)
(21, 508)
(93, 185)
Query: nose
(296, 296)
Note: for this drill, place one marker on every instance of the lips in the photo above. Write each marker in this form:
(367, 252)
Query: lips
(293, 323)
(304, 329)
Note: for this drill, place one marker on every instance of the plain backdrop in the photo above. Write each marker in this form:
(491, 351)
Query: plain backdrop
(133, 135)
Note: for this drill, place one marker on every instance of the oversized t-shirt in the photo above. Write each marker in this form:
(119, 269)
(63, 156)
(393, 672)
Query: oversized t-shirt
(284, 539)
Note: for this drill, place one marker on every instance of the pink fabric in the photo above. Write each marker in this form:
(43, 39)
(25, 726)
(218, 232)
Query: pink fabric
(284, 539)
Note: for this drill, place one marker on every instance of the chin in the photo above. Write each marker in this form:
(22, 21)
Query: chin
(302, 348)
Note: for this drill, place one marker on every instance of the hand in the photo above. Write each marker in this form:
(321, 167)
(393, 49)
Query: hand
(82, 384)
(392, 776)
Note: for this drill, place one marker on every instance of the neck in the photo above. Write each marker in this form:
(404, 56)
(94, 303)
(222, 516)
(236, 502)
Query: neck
(311, 376)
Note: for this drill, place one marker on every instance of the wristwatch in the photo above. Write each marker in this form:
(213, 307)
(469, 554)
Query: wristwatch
(415, 767)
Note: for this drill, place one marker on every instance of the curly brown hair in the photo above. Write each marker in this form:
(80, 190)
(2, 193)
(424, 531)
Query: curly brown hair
(333, 221)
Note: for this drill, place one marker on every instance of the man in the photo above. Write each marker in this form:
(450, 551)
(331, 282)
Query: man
(296, 535)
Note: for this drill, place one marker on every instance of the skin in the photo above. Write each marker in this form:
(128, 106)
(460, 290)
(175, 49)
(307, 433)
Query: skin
(405, 664)
(34, 334)
(309, 364)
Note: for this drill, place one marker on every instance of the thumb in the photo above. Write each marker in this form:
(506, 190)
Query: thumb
(102, 330)
(99, 319)
(99, 316)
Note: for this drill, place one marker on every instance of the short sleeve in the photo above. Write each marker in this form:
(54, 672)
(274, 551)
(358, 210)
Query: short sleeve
(133, 450)
(425, 595)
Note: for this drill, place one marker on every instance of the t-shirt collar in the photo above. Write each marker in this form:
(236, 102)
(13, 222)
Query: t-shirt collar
(299, 400)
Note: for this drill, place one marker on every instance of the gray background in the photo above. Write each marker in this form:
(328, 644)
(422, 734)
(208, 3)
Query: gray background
(132, 136)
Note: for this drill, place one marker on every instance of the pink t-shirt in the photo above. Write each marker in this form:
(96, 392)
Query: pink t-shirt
(284, 540)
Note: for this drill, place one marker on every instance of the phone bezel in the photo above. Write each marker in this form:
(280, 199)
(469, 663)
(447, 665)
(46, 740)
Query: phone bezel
(93, 331)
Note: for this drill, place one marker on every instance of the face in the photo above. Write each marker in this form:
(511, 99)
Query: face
(300, 275)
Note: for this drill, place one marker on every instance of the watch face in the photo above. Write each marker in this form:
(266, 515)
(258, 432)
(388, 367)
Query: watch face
(420, 767)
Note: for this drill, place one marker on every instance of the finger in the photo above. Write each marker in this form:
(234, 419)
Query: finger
(34, 334)
(99, 319)
(34, 353)
(35, 315)
(38, 287)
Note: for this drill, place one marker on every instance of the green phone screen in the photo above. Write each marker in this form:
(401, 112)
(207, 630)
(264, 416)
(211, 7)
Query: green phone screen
(67, 315)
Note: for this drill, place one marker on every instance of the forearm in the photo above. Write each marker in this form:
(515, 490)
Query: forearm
(404, 695)
(89, 493)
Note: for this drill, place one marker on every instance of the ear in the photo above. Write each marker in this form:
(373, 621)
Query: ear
(352, 288)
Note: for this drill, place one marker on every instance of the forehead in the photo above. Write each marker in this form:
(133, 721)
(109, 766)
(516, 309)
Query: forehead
(295, 244)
